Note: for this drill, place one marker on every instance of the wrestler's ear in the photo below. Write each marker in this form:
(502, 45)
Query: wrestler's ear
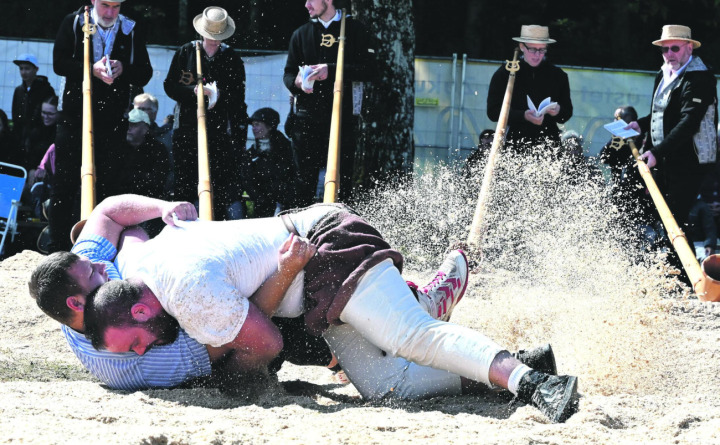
(141, 312)
(76, 302)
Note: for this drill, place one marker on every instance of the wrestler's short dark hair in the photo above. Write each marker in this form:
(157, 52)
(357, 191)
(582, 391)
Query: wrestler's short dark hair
(109, 306)
(50, 285)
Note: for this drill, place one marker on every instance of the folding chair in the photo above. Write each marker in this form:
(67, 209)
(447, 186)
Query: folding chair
(11, 188)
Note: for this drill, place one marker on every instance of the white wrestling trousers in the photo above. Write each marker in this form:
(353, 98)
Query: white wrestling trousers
(391, 348)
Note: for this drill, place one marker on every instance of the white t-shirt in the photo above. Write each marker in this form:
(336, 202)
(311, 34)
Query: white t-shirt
(204, 272)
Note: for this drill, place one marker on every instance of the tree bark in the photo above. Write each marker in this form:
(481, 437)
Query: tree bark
(182, 17)
(385, 135)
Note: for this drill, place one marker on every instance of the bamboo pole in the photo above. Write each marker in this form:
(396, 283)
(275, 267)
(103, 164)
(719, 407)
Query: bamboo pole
(475, 236)
(204, 186)
(87, 168)
(706, 287)
(332, 171)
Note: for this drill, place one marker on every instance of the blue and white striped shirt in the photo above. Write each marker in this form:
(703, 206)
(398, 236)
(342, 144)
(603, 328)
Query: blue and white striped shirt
(161, 367)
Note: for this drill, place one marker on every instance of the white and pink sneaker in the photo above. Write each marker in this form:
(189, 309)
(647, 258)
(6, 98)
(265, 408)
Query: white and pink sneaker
(440, 295)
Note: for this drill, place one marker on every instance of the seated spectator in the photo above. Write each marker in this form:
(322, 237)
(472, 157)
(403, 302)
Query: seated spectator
(44, 137)
(9, 148)
(628, 188)
(149, 104)
(477, 158)
(26, 108)
(40, 141)
(146, 163)
(578, 168)
(267, 167)
(42, 182)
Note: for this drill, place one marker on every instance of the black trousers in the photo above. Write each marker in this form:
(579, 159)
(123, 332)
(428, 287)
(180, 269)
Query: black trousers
(224, 170)
(64, 209)
(310, 139)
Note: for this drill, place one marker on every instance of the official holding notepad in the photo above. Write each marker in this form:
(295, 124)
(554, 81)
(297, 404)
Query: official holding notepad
(539, 85)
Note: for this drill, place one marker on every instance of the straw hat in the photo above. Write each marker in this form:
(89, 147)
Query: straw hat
(534, 34)
(676, 32)
(214, 23)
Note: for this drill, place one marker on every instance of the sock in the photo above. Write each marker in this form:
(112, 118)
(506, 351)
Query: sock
(515, 376)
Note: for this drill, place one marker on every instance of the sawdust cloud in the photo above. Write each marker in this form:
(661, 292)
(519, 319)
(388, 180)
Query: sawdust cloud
(560, 263)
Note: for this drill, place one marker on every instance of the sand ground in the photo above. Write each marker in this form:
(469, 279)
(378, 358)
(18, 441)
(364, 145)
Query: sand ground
(646, 356)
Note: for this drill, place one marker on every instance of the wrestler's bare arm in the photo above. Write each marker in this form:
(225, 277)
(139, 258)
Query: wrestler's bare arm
(293, 256)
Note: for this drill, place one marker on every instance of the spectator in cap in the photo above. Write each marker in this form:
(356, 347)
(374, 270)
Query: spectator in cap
(267, 166)
(223, 74)
(149, 104)
(145, 163)
(26, 108)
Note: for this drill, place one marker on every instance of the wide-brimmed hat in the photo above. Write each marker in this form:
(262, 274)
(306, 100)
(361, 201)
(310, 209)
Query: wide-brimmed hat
(534, 34)
(214, 23)
(27, 58)
(676, 32)
(270, 117)
(137, 115)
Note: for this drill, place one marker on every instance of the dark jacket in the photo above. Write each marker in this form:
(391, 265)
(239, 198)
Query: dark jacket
(686, 108)
(109, 101)
(269, 176)
(41, 139)
(540, 82)
(306, 49)
(26, 108)
(145, 169)
(227, 69)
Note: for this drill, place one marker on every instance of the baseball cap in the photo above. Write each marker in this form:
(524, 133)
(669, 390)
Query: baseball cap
(27, 58)
(136, 116)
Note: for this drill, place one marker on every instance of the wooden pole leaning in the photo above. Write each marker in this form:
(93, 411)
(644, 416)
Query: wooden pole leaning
(476, 229)
(205, 211)
(704, 278)
(332, 171)
(87, 168)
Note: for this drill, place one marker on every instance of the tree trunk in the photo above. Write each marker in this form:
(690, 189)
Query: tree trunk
(385, 134)
(182, 17)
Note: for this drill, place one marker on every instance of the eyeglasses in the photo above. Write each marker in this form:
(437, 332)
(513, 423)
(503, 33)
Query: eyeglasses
(536, 50)
(674, 48)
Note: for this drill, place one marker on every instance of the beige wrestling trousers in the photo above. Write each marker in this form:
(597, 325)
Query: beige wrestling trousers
(390, 348)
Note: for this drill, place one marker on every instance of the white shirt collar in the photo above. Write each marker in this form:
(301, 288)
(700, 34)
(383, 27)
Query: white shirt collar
(337, 17)
(669, 75)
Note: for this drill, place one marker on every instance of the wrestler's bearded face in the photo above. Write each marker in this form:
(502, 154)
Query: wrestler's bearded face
(164, 327)
(140, 337)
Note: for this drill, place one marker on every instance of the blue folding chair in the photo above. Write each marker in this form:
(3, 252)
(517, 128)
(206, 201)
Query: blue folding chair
(11, 188)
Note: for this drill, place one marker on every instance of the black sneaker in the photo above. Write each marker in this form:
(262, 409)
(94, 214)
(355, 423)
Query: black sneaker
(555, 396)
(540, 359)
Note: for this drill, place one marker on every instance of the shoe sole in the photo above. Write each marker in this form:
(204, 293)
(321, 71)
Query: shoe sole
(569, 402)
